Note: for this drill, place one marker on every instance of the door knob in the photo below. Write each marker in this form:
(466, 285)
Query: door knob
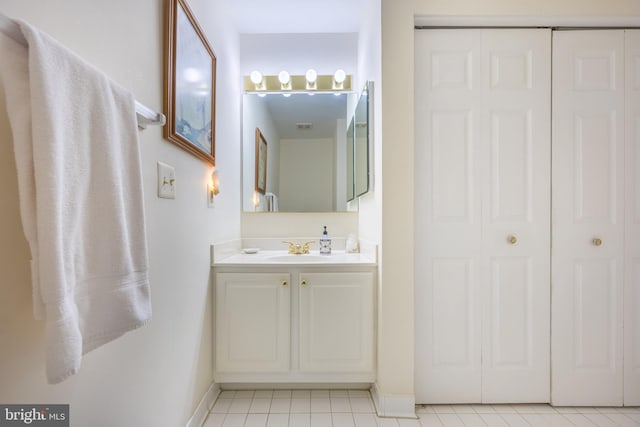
(512, 239)
(285, 283)
(597, 241)
(303, 283)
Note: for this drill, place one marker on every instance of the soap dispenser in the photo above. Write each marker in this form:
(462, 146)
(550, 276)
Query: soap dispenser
(325, 243)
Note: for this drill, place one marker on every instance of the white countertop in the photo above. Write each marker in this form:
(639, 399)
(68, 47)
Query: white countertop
(279, 258)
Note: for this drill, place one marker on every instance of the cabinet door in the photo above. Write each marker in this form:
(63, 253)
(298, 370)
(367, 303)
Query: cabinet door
(588, 217)
(252, 322)
(336, 322)
(632, 220)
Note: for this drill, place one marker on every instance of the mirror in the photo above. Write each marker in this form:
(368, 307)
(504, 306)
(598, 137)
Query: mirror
(351, 189)
(358, 147)
(306, 161)
(361, 141)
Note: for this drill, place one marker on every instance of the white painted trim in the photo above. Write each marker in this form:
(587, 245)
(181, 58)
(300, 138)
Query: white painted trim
(527, 21)
(205, 405)
(393, 405)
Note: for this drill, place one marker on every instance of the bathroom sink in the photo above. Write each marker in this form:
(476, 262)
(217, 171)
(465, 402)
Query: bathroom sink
(297, 258)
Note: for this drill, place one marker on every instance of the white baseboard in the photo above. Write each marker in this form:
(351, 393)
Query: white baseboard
(393, 405)
(205, 405)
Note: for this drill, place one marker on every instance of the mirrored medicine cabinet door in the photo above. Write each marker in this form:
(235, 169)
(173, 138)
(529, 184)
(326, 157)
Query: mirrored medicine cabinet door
(316, 151)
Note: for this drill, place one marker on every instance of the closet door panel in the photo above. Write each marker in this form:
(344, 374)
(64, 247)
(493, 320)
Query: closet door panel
(453, 317)
(587, 217)
(516, 207)
(511, 166)
(632, 220)
(452, 168)
(448, 211)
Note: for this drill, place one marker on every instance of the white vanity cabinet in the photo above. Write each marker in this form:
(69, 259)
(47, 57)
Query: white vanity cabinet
(294, 324)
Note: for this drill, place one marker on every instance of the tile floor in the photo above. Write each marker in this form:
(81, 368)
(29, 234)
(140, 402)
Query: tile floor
(354, 408)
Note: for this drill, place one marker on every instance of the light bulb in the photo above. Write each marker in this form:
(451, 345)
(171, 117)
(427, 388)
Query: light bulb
(256, 77)
(339, 76)
(284, 77)
(311, 75)
(214, 183)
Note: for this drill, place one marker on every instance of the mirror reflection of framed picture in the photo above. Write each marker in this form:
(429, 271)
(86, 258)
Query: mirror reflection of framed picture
(190, 83)
(261, 162)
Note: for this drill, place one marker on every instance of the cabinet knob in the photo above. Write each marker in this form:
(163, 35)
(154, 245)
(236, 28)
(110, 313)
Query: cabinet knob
(512, 239)
(303, 282)
(597, 241)
(285, 283)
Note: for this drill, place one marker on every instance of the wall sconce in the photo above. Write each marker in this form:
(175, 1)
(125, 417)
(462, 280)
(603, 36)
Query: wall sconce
(213, 186)
(311, 82)
(256, 200)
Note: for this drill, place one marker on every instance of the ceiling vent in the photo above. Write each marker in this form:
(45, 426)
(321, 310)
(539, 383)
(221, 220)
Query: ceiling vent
(304, 126)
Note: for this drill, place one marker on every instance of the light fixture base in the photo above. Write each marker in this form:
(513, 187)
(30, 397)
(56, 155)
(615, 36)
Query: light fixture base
(298, 83)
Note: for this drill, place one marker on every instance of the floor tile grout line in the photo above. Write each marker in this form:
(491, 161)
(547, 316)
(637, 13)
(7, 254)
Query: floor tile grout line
(522, 411)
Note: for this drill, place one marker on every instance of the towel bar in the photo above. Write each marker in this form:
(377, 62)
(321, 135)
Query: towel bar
(146, 116)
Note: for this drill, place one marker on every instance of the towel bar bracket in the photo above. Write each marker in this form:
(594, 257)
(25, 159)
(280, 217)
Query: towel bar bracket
(146, 116)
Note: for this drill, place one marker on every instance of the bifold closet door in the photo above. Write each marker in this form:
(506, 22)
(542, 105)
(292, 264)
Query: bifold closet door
(482, 215)
(588, 217)
(632, 235)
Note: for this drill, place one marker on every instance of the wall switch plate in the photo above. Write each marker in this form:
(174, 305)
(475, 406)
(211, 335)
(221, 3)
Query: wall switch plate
(166, 181)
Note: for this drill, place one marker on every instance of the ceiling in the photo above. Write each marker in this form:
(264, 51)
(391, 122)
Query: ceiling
(297, 16)
(320, 110)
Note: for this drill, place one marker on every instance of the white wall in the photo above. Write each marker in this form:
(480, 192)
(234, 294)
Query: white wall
(299, 225)
(312, 159)
(369, 69)
(396, 315)
(296, 53)
(154, 376)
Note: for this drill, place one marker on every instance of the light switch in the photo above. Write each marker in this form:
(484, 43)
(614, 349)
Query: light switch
(166, 181)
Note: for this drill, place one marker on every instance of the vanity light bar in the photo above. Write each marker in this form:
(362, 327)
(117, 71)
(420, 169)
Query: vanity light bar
(324, 83)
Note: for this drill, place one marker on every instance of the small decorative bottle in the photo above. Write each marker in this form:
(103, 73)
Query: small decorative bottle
(325, 243)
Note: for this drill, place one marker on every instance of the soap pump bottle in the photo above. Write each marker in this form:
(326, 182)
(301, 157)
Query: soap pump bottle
(325, 243)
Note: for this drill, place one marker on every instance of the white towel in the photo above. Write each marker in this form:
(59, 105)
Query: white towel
(81, 200)
(272, 202)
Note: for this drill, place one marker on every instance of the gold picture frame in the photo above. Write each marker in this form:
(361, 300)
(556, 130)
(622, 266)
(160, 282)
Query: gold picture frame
(190, 83)
(261, 162)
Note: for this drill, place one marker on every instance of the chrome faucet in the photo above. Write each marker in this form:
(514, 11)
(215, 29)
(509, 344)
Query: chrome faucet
(298, 249)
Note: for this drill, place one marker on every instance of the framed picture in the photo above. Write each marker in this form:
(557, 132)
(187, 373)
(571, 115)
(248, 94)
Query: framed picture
(261, 162)
(190, 83)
